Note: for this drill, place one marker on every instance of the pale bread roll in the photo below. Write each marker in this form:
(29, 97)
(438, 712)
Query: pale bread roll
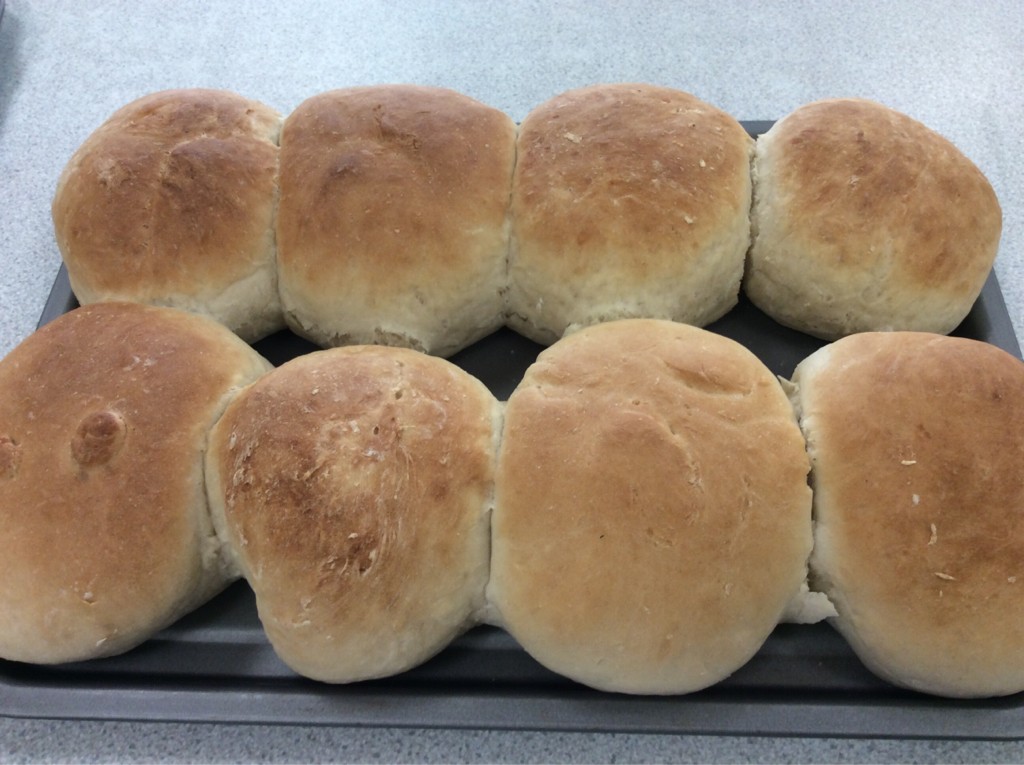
(652, 516)
(917, 448)
(354, 487)
(865, 219)
(393, 221)
(628, 200)
(106, 535)
(171, 202)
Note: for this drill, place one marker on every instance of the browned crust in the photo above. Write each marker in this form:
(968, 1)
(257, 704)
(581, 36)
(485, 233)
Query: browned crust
(355, 488)
(652, 513)
(628, 200)
(875, 213)
(626, 167)
(105, 537)
(393, 195)
(917, 443)
(174, 194)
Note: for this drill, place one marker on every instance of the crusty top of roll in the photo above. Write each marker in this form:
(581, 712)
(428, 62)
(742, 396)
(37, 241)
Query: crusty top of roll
(652, 513)
(917, 446)
(104, 415)
(354, 488)
(628, 200)
(865, 219)
(393, 217)
(171, 202)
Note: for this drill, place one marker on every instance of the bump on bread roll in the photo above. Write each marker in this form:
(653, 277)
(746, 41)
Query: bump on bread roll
(628, 200)
(652, 515)
(104, 417)
(171, 202)
(354, 487)
(393, 220)
(917, 448)
(865, 219)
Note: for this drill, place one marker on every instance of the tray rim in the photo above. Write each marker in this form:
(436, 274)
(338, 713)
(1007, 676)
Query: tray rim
(930, 720)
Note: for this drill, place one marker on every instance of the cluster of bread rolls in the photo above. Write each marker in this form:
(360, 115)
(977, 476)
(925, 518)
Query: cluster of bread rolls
(648, 504)
(638, 515)
(419, 217)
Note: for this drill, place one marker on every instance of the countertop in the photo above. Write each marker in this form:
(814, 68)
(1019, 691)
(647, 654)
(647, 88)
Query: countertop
(64, 67)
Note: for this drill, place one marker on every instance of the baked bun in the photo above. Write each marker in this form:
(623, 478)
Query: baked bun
(628, 200)
(171, 202)
(864, 219)
(104, 416)
(917, 447)
(652, 515)
(354, 487)
(393, 226)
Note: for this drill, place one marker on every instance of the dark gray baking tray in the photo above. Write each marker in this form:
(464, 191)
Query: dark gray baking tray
(215, 665)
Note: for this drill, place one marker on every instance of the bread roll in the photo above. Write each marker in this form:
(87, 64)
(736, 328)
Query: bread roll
(393, 219)
(917, 447)
(106, 535)
(652, 515)
(865, 219)
(354, 487)
(628, 200)
(171, 202)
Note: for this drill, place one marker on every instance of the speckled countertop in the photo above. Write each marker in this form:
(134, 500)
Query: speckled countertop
(64, 67)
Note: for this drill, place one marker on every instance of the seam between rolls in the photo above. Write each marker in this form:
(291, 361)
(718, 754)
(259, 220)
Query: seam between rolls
(506, 286)
(488, 612)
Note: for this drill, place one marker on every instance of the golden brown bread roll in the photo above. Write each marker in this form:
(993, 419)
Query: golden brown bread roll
(104, 416)
(917, 450)
(393, 225)
(171, 202)
(864, 219)
(652, 515)
(354, 487)
(628, 200)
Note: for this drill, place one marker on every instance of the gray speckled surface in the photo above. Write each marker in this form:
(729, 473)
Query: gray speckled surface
(64, 67)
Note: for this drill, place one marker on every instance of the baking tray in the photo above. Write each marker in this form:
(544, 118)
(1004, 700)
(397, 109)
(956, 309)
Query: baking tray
(215, 665)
